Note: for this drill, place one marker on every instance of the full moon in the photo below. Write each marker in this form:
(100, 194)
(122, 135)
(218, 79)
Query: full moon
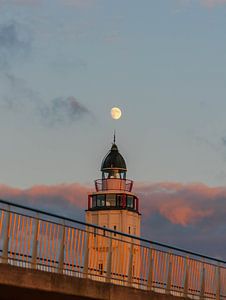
(116, 113)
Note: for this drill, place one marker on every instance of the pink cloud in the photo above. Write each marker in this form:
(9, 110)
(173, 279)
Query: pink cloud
(73, 194)
(182, 204)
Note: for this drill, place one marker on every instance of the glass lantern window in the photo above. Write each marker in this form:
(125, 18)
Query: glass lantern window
(94, 201)
(130, 201)
(111, 200)
(100, 200)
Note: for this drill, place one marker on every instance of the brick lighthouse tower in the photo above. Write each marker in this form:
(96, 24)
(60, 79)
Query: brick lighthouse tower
(113, 205)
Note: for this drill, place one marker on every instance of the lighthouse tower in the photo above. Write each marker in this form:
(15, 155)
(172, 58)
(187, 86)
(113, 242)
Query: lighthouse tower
(113, 204)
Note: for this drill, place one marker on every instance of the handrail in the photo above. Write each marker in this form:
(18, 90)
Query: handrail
(112, 231)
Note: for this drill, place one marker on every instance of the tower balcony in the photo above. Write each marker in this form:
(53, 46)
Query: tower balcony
(117, 184)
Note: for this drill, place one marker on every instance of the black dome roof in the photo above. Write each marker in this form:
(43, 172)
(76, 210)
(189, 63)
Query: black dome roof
(113, 160)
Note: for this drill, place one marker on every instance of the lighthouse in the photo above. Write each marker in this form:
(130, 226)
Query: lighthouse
(113, 204)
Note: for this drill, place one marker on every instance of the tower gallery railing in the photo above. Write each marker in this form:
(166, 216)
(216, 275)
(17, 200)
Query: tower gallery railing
(31, 238)
(113, 184)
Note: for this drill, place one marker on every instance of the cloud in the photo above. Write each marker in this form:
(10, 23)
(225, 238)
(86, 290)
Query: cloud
(15, 43)
(17, 96)
(183, 204)
(191, 216)
(180, 204)
(223, 141)
(63, 111)
(65, 199)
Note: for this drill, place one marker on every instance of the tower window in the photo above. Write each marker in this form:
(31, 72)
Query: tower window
(94, 201)
(100, 200)
(110, 200)
(129, 230)
(119, 200)
(130, 201)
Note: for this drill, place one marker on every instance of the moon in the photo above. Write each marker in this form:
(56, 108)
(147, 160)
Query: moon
(116, 113)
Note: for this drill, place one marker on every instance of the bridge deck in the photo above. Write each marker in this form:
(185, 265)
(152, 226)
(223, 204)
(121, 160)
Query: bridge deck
(19, 283)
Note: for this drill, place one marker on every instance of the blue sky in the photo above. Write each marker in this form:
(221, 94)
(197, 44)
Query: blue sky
(162, 62)
(65, 63)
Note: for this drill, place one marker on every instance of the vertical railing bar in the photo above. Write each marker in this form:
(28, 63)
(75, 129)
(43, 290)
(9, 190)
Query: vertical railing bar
(56, 243)
(17, 236)
(169, 275)
(26, 237)
(202, 287)
(22, 233)
(13, 240)
(186, 278)
(81, 250)
(49, 242)
(29, 238)
(1, 222)
(35, 244)
(9, 234)
(150, 273)
(61, 254)
(130, 266)
(76, 246)
(6, 238)
(46, 229)
(109, 260)
(70, 247)
(218, 283)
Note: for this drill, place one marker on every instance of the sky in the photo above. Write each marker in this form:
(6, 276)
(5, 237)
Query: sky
(65, 63)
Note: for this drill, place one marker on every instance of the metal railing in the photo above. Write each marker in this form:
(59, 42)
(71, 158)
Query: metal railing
(35, 239)
(113, 184)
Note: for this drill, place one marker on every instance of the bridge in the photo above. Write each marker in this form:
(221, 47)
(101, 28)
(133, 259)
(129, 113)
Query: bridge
(44, 254)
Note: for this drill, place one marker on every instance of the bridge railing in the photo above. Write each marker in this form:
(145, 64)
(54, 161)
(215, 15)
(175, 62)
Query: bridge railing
(31, 238)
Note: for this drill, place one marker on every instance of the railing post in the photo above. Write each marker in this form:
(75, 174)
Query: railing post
(169, 276)
(150, 272)
(61, 254)
(35, 244)
(186, 278)
(86, 257)
(109, 260)
(6, 239)
(218, 283)
(202, 288)
(130, 266)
